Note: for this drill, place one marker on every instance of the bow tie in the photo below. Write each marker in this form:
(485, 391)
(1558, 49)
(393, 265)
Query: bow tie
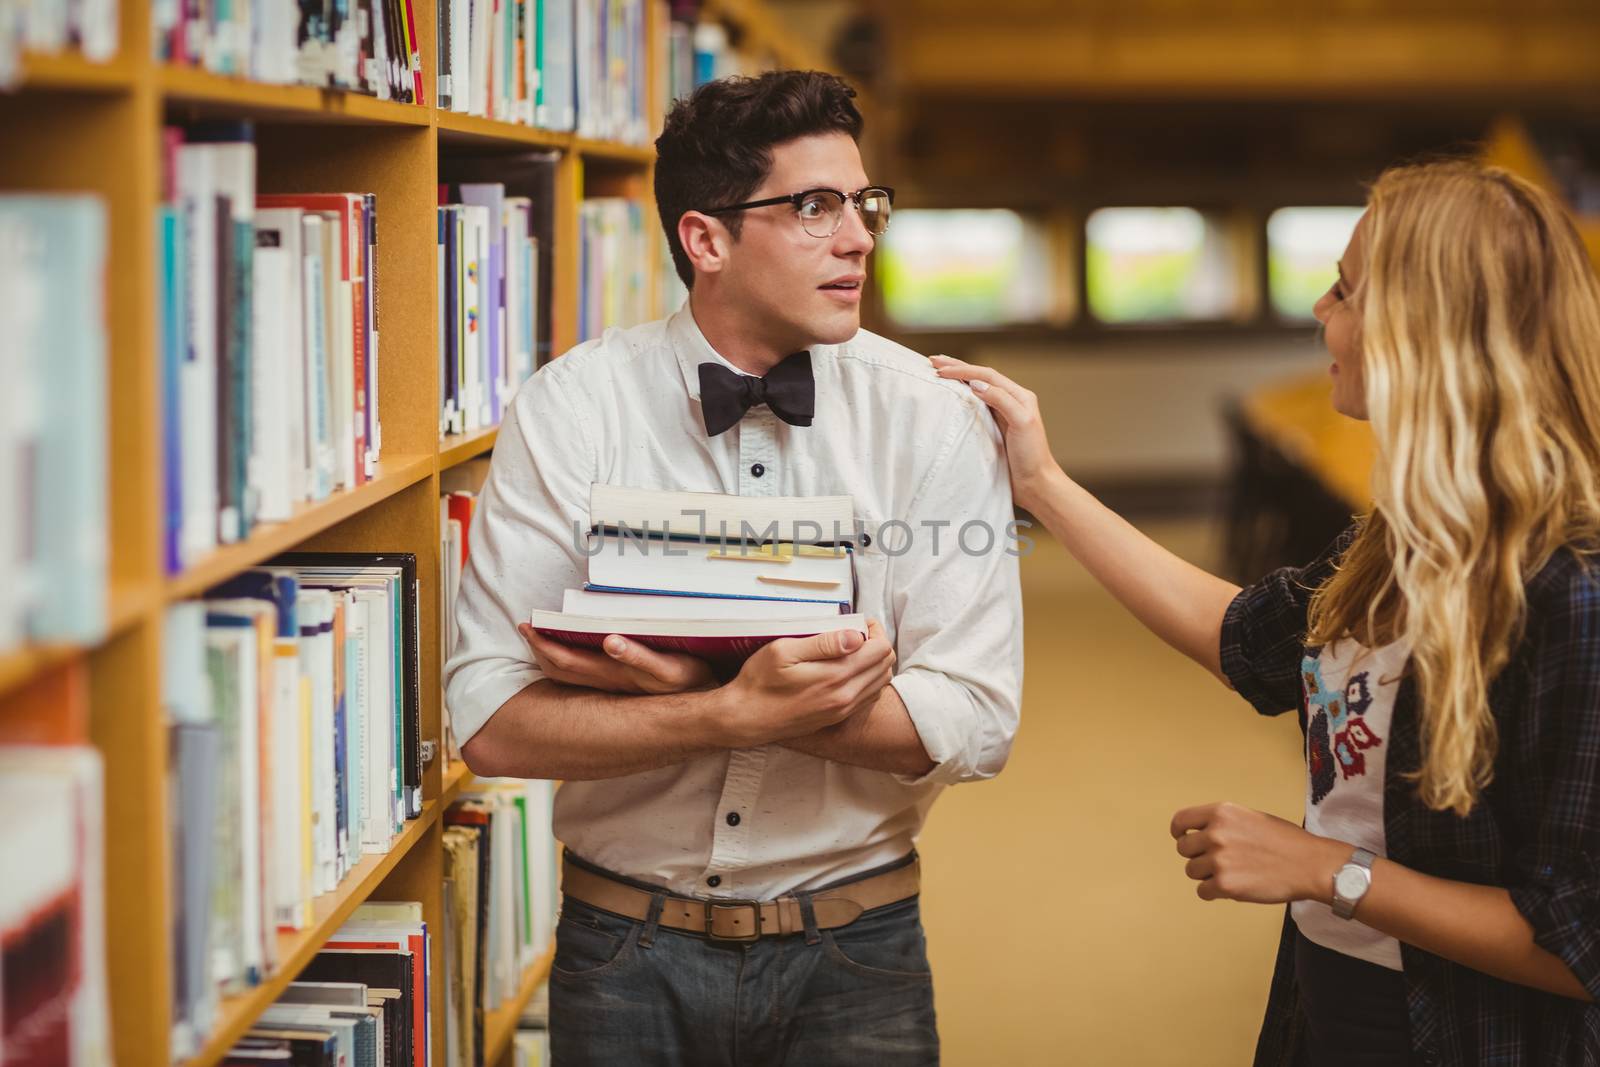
(788, 389)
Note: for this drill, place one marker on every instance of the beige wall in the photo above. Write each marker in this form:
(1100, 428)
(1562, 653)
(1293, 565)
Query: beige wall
(1148, 411)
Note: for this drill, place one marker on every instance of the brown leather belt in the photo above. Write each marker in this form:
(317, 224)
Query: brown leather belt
(744, 920)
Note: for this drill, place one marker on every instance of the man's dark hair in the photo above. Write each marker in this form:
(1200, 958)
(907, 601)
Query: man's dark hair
(717, 146)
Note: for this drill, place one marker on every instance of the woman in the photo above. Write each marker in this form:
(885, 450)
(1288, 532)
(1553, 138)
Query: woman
(1443, 654)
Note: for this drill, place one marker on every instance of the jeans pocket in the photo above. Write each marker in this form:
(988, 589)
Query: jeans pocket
(590, 942)
(886, 942)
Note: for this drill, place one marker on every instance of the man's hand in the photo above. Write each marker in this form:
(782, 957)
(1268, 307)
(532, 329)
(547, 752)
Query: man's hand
(625, 666)
(798, 685)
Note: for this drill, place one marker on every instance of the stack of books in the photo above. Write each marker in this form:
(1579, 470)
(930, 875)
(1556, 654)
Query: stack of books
(361, 1002)
(709, 574)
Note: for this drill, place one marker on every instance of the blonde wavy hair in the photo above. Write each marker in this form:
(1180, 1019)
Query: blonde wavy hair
(1480, 341)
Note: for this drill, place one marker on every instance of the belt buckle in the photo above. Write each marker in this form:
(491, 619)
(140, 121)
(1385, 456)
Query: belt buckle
(713, 906)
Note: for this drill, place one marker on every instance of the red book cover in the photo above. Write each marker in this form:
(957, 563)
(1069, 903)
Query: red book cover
(415, 53)
(461, 505)
(352, 268)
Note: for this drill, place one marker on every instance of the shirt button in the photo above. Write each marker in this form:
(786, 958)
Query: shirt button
(733, 818)
(757, 470)
(714, 881)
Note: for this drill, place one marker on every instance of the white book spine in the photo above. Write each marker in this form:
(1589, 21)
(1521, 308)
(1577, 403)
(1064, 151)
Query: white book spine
(198, 376)
(269, 466)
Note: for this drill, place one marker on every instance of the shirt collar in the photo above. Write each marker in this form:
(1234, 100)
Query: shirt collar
(691, 348)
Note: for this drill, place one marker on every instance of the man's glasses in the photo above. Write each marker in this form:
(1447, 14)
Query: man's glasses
(821, 211)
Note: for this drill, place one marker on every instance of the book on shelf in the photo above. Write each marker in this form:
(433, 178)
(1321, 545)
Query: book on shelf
(50, 27)
(53, 418)
(396, 926)
(291, 699)
(52, 909)
(615, 244)
(559, 64)
(529, 180)
(489, 285)
(380, 969)
(269, 347)
(501, 900)
(457, 503)
(363, 46)
(362, 1000)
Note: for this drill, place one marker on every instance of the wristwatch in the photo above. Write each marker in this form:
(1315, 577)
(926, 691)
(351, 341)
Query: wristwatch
(1351, 882)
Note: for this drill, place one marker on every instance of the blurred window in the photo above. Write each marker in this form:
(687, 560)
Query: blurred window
(1163, 264)
(1303, 249)
(965, 268)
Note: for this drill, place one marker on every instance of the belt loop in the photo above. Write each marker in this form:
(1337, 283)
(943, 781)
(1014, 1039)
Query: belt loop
(652, 920)
(808, 915)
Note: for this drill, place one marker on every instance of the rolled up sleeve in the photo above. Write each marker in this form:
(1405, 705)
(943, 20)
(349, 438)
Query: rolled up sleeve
(957, 608)
(1264, 630)
(1554, 753)
(524, 549)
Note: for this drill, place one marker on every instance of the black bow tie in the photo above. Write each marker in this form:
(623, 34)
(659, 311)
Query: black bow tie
(788, 389)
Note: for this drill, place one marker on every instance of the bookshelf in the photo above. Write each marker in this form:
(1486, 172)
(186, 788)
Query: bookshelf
(76, 126)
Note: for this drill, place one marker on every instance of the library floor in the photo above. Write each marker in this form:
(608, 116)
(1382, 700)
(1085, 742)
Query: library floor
(1060, 925)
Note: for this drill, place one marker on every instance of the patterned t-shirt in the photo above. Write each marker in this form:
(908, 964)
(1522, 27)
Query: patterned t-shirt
(1350, 691)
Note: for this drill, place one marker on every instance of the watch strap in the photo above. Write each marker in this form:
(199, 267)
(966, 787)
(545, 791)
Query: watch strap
(1345, 907)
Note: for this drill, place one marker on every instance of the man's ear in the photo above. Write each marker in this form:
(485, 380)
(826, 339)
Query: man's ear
(705, 241)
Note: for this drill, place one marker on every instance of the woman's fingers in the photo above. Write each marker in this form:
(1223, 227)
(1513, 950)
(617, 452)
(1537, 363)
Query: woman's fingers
(1200, 868)
(986, 378)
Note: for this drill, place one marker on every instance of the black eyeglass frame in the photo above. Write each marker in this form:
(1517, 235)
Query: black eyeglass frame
(796, 199)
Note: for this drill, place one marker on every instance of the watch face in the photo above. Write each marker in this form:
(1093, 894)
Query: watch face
(1351, 882)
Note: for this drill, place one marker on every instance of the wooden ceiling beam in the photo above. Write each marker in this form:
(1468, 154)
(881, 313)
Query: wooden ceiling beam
(1255, 59)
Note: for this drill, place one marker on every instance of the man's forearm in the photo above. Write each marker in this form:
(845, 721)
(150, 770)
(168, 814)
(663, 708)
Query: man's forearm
(881, 737)
(551, 730)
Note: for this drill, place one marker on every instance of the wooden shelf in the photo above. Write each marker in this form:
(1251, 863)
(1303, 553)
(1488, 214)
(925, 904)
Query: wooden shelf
(500, 1024)
(217, 93)
(269, 539)
(70, 72)
(238, 1013)
(610, 152)
(21, 665)
(460, 447)
(459, 128)
(74, 124)
(18, 666)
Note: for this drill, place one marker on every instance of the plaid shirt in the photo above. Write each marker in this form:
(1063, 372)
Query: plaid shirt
(1535, 830)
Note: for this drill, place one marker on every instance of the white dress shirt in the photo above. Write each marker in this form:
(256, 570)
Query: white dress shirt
(904, 445)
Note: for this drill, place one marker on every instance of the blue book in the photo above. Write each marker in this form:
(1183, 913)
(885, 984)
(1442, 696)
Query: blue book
(172, 240)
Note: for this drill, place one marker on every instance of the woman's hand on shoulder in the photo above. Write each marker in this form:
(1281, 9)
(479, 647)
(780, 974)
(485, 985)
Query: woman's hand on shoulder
(1016, 410)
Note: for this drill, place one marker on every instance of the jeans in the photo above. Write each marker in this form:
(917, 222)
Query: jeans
(624, 992)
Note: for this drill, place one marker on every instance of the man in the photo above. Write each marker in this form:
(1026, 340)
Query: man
(794, 792)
